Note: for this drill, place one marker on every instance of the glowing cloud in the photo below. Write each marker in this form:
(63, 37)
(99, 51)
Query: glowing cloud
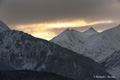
(41, 30)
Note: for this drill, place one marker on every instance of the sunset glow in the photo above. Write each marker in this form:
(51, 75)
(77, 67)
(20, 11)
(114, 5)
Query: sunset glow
(41, 30)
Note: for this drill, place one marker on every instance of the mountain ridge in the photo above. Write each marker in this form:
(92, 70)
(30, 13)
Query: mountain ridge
(3, 26)
(97, 46)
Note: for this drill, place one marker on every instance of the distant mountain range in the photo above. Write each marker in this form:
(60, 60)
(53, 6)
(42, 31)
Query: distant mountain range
(103, 47)
(75, 40)
(95, 45)
(21, 51)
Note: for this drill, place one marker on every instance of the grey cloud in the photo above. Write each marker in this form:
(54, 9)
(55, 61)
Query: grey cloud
(0, 3)
(16, 12)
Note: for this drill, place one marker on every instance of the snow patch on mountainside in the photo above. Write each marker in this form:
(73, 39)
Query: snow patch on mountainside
(29, 66)
(41, 67)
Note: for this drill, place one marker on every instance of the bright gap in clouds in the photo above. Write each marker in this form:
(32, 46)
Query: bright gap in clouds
(41, 30)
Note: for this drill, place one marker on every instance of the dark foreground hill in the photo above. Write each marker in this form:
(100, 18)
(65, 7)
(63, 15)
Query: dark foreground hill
(30, 75)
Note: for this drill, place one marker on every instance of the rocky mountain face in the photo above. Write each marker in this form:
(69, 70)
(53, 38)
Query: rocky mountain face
(95, 45)
(19, 51)
(112, 64)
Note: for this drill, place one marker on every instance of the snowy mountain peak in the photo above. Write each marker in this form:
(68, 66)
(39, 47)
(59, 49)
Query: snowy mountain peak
(69, 32)
(3, 26)
(66, 30)
(91, 30)
(73, 30)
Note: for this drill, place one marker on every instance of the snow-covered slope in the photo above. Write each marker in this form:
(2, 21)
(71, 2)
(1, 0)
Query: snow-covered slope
(74, 40)
(70, 39)
(103, 44)
(3, 26)
(96, 45)
(112, 64)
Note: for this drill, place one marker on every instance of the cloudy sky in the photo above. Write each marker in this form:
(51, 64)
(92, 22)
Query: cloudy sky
(47, 18)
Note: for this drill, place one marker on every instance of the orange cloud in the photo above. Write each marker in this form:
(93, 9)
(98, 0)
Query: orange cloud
(41, 30)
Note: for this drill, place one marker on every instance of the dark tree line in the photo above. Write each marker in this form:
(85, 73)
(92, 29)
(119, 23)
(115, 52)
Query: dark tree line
(30, 75)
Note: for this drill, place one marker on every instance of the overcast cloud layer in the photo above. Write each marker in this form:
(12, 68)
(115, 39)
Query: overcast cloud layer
(35, 11)
(20, 12)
